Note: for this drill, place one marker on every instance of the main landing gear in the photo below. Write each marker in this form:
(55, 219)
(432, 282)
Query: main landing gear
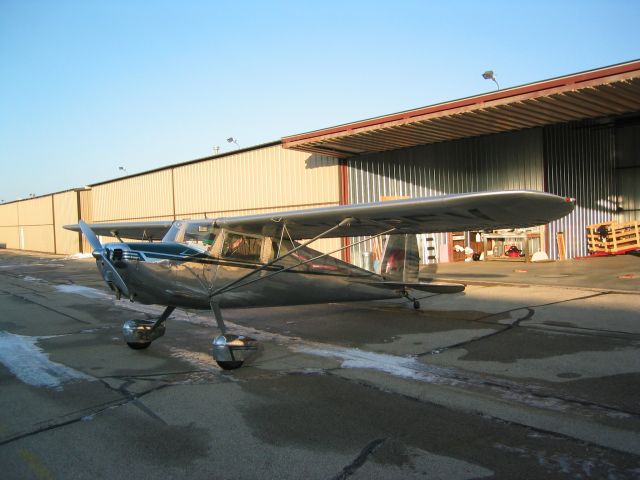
(140, 333)
(230, 351)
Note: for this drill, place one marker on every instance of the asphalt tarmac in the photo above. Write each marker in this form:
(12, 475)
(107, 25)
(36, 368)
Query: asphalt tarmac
(532, 374)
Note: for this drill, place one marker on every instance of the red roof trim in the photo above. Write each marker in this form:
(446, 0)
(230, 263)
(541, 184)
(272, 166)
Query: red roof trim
(572, 79)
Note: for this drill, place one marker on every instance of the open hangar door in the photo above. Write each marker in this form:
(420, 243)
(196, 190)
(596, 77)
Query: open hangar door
(507, 161)
(596, 162)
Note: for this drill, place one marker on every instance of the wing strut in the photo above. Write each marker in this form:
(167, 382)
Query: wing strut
(226, 287)
(236, 283)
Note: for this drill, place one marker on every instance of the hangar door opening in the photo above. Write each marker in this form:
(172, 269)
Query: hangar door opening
(506, 161)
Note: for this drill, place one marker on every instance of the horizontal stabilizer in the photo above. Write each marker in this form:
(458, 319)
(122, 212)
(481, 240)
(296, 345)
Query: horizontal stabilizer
(432, 287)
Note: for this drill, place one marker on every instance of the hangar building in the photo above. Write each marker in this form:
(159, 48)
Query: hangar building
(576, 136)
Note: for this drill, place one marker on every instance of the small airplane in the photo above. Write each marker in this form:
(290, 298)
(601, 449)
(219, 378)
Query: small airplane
(262, 260)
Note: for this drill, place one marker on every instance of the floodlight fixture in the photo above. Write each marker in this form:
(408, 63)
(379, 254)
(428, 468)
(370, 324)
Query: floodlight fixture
(488, 75)
(233, 140)
(122, 169)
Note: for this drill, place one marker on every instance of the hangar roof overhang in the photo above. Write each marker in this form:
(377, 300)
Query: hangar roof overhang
(599, 93)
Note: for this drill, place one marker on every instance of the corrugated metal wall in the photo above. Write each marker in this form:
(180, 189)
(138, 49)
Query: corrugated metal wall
(263, 180)
(580, 163)
(505, 161)
(597, 164)
(252, 181)
(36, 224)
(628, 172)
(65, 207)
(141, 198)
(9, 225)
(256, 181)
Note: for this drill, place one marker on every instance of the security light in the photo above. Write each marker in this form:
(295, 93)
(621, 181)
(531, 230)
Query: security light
(488, 75)
(233, 140)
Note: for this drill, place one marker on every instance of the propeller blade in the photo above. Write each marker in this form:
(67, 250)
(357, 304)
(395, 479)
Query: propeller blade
(109, 272)
(88, 233)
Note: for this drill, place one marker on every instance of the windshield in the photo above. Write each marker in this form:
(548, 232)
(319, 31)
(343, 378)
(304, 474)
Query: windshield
(197, 233)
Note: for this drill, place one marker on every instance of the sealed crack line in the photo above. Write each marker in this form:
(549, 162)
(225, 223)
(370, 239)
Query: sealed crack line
(410, 368)
(360, 459)
(588, 444)
(86, 414)
(151, 376)
(558, 302)
(516, 323)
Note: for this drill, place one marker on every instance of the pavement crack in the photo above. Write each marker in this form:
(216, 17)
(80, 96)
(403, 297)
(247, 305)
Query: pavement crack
(360, 460)
(46, 307)
(87, 414)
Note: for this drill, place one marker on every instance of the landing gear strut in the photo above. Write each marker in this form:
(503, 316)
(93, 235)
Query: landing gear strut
(140, 333)
(230, 351)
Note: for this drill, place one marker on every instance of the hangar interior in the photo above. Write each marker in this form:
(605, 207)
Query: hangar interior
(576, 136)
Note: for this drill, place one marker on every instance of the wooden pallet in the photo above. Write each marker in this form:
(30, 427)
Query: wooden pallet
(619, 238)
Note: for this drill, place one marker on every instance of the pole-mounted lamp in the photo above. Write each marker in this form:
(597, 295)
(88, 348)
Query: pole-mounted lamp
(488, 75)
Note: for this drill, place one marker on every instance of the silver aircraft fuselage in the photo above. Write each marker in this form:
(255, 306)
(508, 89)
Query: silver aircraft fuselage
(183, 275)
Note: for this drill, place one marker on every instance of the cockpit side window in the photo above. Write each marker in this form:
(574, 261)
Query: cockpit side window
(242, 247)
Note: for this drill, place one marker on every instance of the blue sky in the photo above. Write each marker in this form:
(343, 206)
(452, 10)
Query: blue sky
(88, 86)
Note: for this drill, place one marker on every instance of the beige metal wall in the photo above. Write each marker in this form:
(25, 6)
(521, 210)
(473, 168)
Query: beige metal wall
(269, 179)
(9, 233)
(256, 181)
(36, 224)
(65, 207)
(264, 179)
(144, 197)
(36, 230)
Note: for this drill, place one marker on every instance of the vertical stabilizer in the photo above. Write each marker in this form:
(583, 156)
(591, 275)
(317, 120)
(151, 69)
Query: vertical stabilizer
(401, 259)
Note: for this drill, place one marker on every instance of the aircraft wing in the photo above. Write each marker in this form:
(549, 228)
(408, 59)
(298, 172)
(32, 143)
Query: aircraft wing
(469, 211)
(131, 230)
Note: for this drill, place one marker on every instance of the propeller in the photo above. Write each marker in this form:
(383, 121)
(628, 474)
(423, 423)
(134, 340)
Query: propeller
(109, 272)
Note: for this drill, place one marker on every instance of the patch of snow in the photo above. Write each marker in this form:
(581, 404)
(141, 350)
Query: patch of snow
(78, 256)
(31, 365)
(202, 361)
(28, 278)
(404, 367)
(87, 292)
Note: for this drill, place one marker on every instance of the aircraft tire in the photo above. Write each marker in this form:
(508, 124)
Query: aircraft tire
(230, 365)
(416, 304)
(138, 346)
